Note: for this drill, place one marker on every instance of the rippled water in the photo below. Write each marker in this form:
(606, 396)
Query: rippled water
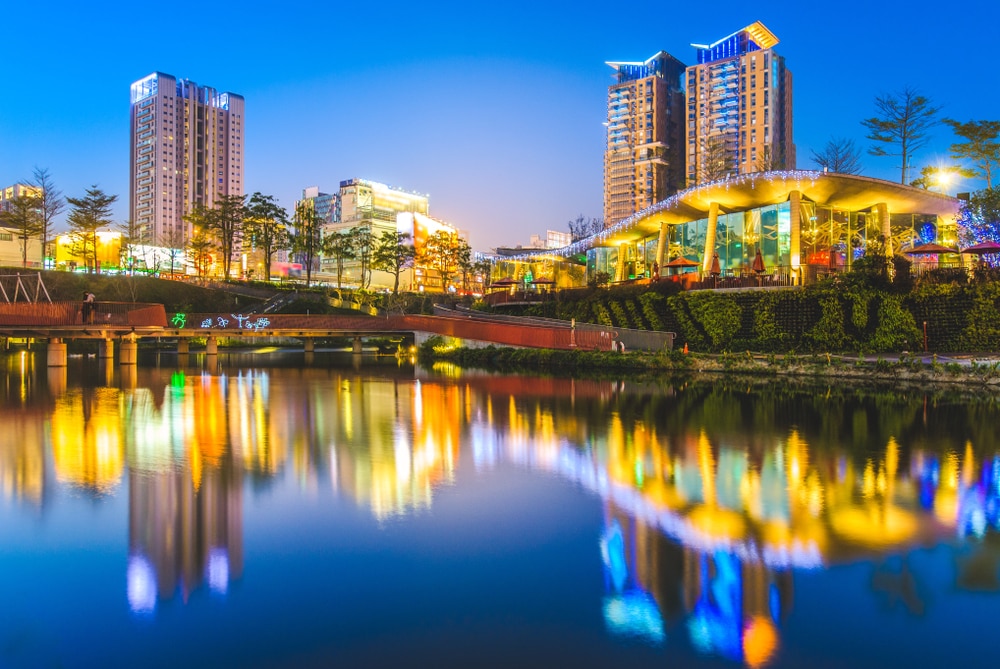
(261, 511)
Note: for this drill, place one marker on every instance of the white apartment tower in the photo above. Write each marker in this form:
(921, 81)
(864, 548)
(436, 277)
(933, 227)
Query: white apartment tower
(186, 149)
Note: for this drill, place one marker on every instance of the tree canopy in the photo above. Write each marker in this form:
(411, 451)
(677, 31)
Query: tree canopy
(266, 228)
(87, 215)
(901, 126)
(393, 253)
(24, 217)
(981, 147)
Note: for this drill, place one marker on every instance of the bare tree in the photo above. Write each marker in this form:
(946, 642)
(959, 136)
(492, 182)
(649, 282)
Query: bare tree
(901, 126)
(51, 204)
(982, 147)
(717, 160)
(584, 227)
(840, 156)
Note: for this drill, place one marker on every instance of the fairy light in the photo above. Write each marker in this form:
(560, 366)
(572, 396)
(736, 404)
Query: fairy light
(669, 204)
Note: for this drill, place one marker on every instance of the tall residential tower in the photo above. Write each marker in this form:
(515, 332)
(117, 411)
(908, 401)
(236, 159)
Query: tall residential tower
(739, 107)
(186, 149)
(644, 157)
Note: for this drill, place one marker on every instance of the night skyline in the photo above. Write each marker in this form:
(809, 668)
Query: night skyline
(497, 114)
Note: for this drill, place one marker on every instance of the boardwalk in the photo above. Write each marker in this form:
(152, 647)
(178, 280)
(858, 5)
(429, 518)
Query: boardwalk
(111, 321)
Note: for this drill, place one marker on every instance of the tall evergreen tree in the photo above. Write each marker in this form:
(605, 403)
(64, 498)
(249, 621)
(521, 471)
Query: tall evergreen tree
(87, 215)
(981, 148)
(901, 126)
(339, 246)
(266, 228)
(393, 254)
(224, 222)
(24, 218)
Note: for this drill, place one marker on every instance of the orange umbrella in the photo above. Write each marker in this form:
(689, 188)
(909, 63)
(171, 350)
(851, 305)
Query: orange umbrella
(930, 249)
(981, 248)
(716, 268)
(758, 262)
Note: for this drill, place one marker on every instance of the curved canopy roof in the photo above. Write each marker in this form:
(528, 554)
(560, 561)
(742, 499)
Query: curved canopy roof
(749, 191)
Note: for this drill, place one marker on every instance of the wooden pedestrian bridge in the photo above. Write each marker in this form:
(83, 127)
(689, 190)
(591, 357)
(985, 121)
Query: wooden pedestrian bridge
(120, 325)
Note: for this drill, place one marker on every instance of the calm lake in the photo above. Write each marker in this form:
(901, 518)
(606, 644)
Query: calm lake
(262, 510)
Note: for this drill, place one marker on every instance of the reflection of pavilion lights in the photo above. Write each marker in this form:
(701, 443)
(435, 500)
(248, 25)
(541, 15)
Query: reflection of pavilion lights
(141, 584)
(634, 614)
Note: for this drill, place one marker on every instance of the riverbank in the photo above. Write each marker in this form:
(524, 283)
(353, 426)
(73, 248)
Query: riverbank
(966, 372)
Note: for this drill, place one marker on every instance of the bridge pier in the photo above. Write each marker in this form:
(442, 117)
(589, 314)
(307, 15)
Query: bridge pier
(56, 354)
(128, 352)
(183, 346)
(357, 346)
(106, 349)
(212, 346)
(309, 345)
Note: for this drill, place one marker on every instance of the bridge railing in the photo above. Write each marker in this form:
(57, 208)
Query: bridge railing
(49, 314)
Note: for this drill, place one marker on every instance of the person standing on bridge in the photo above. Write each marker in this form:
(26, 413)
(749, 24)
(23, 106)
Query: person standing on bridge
(87, 312)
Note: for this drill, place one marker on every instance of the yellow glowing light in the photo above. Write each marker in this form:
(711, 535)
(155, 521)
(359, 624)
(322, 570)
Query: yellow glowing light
(874, 525)
(760, 640)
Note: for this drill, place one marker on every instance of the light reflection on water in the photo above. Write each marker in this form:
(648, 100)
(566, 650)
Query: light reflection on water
(715, 501)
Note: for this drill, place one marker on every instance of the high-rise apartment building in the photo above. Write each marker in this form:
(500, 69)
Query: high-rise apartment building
(739, 107)
(186, 149)
(644, 157)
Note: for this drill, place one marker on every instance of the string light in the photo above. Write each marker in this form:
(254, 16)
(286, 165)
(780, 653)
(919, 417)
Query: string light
(669, 204)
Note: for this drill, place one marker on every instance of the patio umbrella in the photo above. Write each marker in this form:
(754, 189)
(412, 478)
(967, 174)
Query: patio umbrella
(758, 262)
(543, 282)
(503, 283)
(930, 249)
(681, 262)
(983, 248)
(716, 268)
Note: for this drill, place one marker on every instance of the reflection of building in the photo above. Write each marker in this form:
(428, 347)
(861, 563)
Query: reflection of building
(186, 149)
(184, 530)
(644, 157)
(22, 458)
(739, 108)
(87, 439)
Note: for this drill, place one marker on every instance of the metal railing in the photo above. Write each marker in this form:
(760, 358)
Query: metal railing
(45, 314)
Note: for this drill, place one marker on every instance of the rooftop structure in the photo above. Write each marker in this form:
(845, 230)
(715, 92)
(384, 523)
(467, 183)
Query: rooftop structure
(739, 107)
(644, 156)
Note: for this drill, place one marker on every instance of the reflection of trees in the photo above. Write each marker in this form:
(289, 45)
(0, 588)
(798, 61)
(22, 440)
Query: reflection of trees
(896, 584)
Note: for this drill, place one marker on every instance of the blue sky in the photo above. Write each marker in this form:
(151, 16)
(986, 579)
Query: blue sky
(494, 109)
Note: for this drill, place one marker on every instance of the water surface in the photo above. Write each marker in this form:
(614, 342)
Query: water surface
(261, 510)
